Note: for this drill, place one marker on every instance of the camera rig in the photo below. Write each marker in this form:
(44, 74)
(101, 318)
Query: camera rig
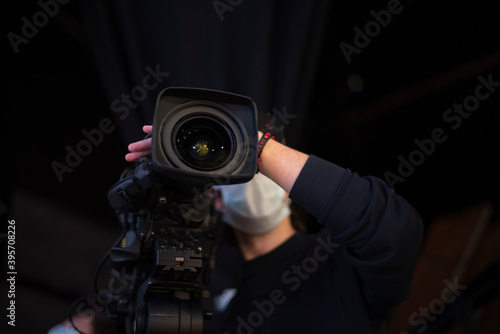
(169, 237)
(200, 138)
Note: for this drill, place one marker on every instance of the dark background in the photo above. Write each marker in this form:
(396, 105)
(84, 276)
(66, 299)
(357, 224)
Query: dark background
(285, 55)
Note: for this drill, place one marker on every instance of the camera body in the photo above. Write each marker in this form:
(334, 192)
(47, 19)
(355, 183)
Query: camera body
(200, 138)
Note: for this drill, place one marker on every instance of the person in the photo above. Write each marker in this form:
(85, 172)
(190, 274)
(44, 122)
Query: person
(344, 278)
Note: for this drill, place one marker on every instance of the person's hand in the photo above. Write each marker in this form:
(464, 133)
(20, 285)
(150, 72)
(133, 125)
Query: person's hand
(82, 324)
(92, 323)
(140, 148)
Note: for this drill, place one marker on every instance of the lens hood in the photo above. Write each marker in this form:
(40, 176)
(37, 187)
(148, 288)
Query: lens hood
(203, 136)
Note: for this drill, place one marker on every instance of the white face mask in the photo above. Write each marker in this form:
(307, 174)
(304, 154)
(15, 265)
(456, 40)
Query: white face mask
(256, 206)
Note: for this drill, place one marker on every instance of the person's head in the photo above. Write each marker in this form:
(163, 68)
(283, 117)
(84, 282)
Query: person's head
(254, 207)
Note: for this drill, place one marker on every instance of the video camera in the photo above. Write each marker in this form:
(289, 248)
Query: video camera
(200, 138)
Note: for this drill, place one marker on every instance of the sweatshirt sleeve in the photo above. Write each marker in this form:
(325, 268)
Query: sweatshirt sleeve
(380, 231)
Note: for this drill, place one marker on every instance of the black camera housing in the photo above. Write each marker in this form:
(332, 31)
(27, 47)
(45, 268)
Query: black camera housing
(203, 136)
(200, 138)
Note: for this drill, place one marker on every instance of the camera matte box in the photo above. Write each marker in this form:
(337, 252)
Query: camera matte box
(239, 113)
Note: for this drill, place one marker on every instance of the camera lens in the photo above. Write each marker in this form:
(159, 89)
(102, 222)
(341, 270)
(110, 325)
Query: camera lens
(203, 142)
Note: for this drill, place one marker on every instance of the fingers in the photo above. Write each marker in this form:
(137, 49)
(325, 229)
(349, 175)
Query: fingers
(141, 145)
(140, 148)
(82, 324)
(148, 129)
(88, 324)
(136, 155)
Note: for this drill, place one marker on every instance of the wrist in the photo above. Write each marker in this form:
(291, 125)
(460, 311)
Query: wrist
(264, 138)
(281, 163)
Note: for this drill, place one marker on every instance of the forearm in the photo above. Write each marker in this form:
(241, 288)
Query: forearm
(381, 231)
(281, 164)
